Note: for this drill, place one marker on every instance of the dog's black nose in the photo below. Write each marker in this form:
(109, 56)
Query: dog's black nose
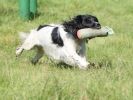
(98, 26)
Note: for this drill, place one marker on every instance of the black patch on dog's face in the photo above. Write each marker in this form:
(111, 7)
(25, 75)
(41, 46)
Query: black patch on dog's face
(56, 38)
(87, 21)
(80, 22)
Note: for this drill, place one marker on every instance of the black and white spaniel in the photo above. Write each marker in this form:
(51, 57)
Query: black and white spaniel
(60, 42)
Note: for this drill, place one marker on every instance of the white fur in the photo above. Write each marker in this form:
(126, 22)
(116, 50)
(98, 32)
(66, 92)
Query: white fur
(72, 53)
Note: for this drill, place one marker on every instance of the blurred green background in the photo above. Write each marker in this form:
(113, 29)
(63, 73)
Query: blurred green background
(112, 80)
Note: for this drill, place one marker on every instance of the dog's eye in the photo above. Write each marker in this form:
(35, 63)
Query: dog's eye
(88, 21)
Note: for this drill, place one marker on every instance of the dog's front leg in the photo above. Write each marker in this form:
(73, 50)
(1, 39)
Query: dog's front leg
(80, 61)
(82, 49)
(73, 59)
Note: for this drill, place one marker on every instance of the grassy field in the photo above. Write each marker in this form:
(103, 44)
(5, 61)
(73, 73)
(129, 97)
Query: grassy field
(112, 80)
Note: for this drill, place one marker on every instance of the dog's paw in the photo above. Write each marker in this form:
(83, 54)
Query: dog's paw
(34, 61)
(85, 66)
(19, 50)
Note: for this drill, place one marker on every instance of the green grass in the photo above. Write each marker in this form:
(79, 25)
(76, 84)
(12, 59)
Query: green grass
(112, 80)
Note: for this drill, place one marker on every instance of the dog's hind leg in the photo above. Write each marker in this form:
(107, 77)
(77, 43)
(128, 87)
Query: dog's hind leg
(39, 54)
(28, 44)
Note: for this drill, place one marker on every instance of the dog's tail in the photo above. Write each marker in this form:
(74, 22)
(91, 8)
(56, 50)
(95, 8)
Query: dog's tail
(23, 36)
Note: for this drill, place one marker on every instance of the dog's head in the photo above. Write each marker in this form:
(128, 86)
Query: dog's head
(80, 22)
(87, 21)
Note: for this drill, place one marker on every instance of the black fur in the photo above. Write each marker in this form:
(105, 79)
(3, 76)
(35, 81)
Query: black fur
(41, 26)
(80, 22)
(56, 38)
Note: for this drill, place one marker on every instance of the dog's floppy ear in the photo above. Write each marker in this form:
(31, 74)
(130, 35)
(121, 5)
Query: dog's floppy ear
(78, 18)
